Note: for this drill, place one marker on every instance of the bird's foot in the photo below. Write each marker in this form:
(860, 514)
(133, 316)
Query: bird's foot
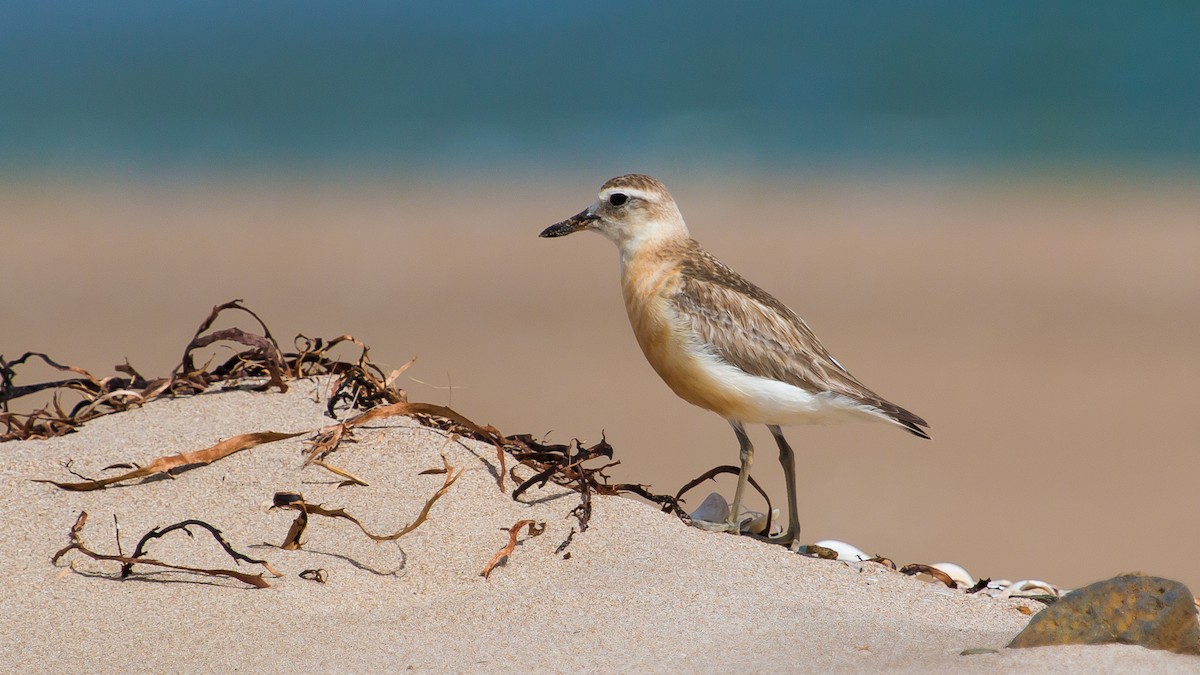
(713, 515)
(787, 541)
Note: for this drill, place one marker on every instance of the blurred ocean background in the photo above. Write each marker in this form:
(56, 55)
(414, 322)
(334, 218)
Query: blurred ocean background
(144, 86)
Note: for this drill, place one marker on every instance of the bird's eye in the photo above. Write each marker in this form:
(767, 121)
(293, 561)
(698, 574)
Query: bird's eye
(618, 198)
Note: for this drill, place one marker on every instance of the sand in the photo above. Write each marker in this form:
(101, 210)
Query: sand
(639, 591)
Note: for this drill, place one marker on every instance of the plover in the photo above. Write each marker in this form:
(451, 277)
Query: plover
(719, 341)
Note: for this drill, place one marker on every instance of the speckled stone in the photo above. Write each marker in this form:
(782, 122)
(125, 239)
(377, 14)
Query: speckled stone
(1130, 609)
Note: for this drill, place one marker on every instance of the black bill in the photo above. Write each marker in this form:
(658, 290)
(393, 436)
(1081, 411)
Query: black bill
(575, 223)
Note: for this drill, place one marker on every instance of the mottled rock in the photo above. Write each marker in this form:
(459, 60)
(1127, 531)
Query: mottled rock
(1130, 609)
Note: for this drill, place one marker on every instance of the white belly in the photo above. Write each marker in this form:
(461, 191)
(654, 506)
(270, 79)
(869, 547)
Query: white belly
(761, 400)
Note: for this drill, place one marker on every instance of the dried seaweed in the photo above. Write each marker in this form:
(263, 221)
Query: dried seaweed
(324, 443)
(100, 396)
(535, 529)
(318, 575)
(363, 385)
(264, 358)
(446, 419)
(1045, 599)
(360, 383)
(934, 572)
(156, 533)
(429, 414)
(566, 465)
(295, 501)
(822, 552)
(979, 585)
(171, 464)
(566, 542)
(351, 479)
(127, 562)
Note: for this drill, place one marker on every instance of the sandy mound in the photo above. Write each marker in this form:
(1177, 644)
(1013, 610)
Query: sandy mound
(638, 589)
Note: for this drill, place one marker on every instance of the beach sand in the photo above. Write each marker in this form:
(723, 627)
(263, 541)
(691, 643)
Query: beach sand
(639, 591)
(1046, 329)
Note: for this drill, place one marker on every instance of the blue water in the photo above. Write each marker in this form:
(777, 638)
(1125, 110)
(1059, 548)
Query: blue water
(152, 85)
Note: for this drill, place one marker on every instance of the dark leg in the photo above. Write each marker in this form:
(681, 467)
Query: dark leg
(747, 456)
(788, 459)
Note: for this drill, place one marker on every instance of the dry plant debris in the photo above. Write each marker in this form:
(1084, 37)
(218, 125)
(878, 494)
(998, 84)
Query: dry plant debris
(324, 443)
(361, 383)
(178, 463)
(318, 575)
(979, 585)
(295, 501)
(821, 552)
(535, 529)
(358, 385)
(446, 419)
(565, 465)
(916, 568)
(127, 562)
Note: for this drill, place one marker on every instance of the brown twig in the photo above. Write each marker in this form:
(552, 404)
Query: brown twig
(295, 502)
(77, 544)
(183, 461)
(534, 530)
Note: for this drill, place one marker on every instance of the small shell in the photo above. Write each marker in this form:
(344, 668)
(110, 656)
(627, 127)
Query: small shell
(1030, 587)
(755, 522)
(714, 509)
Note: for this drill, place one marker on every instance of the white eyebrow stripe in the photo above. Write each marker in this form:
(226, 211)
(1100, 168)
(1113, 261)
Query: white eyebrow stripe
(632, 192)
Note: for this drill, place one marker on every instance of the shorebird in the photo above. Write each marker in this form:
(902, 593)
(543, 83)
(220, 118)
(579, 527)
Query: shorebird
(718, 341)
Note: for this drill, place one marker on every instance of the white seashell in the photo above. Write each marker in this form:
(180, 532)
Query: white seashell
(1030, 587)
(755, 522)
(845, 551)
(960, 576)
(714, 509)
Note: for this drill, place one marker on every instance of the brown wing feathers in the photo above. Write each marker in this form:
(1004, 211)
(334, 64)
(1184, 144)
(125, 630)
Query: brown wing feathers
(753, 331)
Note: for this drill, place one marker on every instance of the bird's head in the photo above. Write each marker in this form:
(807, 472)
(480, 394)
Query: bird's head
(631, 210)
